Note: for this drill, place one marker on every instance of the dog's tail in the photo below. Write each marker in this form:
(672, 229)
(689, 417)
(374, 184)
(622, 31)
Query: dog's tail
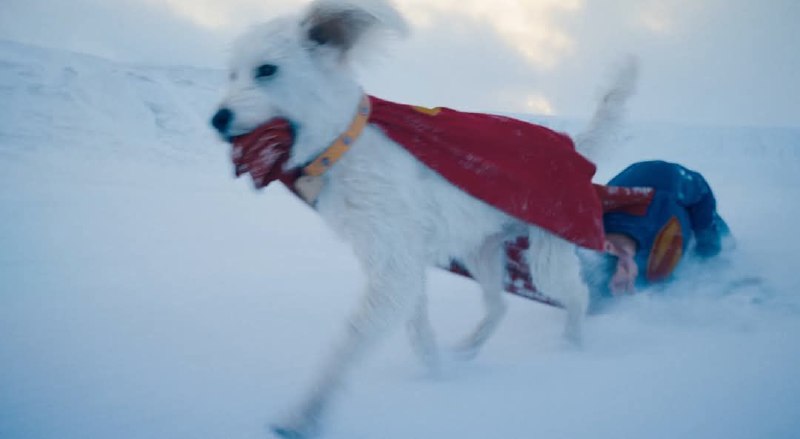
(611, 110)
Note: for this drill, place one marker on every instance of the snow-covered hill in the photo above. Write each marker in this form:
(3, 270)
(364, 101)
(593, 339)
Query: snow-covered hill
(55, 100)
(145, 293)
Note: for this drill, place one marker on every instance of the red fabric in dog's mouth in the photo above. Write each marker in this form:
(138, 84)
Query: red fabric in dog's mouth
(263, 152)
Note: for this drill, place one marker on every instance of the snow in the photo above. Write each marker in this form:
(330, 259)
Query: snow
(146, 293)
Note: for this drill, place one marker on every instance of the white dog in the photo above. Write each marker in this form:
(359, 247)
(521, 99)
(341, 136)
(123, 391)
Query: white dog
(398, 215)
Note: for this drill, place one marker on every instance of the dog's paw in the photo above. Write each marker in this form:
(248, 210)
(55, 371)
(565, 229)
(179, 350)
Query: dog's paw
(431, 360)
(289, 433)
(573, 337)
(434, 368)
(465, 351)
(295, 429)
(303, 424)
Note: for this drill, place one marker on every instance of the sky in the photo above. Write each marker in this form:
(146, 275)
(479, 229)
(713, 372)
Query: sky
(717, 62)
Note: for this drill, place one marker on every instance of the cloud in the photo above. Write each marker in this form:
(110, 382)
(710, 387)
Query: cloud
(530, 27)
(665, 17)
(704, 61)
(226, 15)
(539, 104)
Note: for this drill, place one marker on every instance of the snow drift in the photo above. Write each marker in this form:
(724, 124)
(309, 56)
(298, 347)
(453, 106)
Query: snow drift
(145, 293)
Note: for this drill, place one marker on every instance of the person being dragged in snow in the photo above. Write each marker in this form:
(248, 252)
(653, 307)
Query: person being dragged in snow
(655, 214)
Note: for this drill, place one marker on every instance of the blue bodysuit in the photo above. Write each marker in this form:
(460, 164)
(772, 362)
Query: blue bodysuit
(682, 210)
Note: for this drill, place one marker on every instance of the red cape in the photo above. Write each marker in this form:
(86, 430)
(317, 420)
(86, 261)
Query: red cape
(525, 170)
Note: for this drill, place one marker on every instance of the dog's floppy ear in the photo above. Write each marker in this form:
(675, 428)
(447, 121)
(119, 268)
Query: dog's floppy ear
(344, 24)
(337, 27)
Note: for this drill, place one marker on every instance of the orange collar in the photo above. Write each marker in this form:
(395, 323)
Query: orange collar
(310, 183)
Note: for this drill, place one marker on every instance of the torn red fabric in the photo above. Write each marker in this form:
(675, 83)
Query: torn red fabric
(523, 169)
(263, 153)
(632, 200)
(528, 171)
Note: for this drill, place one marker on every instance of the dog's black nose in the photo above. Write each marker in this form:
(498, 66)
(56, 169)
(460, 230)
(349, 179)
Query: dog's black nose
(222, 119)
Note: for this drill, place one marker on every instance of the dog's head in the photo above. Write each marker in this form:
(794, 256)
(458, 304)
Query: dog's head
(298, 68)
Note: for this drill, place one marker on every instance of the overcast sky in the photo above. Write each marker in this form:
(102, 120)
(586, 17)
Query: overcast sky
(729, 62)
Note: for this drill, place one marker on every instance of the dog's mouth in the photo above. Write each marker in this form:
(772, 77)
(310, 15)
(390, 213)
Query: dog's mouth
(263, 151)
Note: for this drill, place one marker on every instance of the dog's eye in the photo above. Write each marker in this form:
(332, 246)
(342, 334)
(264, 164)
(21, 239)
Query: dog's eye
(265, 71)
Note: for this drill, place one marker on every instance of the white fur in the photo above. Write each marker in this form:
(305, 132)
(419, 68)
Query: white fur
(399, 216)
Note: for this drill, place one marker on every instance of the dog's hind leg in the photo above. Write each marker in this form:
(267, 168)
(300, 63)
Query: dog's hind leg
(394, 285)
(555, 270)
(486, 266)
(420, 333)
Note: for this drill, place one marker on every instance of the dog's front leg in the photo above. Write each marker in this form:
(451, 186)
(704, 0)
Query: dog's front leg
(395, 283)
